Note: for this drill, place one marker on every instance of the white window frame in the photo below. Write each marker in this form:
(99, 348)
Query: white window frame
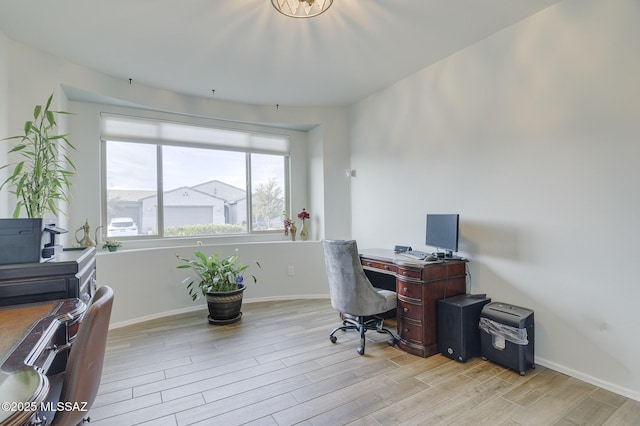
(160, 133)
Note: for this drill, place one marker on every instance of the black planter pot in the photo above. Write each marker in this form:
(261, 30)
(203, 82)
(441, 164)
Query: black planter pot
(224, 308)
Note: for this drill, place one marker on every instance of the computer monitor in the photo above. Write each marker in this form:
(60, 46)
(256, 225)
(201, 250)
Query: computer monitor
(442, 232)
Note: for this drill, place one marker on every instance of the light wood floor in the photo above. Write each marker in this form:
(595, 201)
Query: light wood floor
(277, 367)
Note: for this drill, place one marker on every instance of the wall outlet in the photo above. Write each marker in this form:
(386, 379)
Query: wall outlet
(291, 271)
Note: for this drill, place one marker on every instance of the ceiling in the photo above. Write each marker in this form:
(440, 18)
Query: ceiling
(248, 52)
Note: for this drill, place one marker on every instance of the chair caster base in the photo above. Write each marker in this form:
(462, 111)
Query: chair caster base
(362, 324)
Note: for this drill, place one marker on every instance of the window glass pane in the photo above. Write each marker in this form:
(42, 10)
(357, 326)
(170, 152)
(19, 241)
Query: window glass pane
(268, 187)
(204, 187)
(205, 191)
(131, 180)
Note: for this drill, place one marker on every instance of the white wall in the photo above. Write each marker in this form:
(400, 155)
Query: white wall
(329, 189)
(337, 193)
(142, 267)
(532, 136)
(147, 284)
(34, 75)
(316, 185)
(4, 117)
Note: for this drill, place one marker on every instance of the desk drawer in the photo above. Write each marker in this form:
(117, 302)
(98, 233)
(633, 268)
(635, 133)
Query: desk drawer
(29, 291)
(87, 286)
(409, 310)
(445, 270)
(410, 273)
(382, 266)
(410, 290)
(410, 330)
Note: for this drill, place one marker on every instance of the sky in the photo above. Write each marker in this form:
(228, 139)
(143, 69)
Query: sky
(133, 166)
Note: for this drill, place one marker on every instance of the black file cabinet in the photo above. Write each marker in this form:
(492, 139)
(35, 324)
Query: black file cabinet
(458, 332)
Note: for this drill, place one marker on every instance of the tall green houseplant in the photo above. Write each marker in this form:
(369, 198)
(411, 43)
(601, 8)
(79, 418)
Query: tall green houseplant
(214, 274)
(41, 179)
(221, 280)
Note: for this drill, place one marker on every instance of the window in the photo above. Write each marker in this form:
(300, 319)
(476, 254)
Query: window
(176, 180)
(268, 183)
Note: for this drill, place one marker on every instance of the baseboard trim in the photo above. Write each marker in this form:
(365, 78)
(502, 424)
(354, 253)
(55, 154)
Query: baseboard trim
(188, 309)
(631, 394)
(274, 299)
(158, 315)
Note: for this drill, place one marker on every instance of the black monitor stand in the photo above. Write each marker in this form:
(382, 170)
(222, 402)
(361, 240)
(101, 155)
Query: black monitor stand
(448, 255)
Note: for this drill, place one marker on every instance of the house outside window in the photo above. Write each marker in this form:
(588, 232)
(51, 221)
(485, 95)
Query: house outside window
(164, 179)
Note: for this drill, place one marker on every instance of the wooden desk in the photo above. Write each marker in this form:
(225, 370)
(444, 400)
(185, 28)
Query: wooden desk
(34, 341)
(419, 285)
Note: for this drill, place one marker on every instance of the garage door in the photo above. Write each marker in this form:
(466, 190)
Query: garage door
(187, 215)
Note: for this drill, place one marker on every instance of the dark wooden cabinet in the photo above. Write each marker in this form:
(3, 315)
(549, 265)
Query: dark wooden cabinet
(36, 340)
(417, 297)
(419, 285)
(71, 274)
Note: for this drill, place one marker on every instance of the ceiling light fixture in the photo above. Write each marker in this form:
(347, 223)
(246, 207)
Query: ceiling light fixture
(301, 8)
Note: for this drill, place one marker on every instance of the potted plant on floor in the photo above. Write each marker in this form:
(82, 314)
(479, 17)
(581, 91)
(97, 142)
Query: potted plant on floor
(221, 280)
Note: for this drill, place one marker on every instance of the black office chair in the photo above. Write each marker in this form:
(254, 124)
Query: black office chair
(352, 294)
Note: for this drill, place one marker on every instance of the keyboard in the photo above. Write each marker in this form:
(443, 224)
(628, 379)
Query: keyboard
(416, 254)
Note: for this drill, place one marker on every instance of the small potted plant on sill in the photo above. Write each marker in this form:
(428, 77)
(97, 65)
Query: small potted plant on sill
(112, 245)
(221, 281)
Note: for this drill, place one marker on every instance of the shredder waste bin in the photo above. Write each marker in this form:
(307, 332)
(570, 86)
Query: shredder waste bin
(507, 336)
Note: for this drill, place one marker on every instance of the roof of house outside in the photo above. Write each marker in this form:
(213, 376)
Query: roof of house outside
(213, 188)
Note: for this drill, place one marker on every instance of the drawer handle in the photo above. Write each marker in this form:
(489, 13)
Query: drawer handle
(406, 330)
(404, 272)
(405, 289)
(386, 268)
(405, 309)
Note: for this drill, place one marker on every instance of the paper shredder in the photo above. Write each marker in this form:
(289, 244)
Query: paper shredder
(507, 336)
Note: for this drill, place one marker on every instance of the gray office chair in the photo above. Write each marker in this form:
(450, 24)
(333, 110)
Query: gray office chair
(84, 367)
(352, 294)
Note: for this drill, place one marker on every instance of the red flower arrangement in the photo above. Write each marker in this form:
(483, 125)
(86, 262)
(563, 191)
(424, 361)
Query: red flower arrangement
(303, 215)
(304, 233)
(287, 222)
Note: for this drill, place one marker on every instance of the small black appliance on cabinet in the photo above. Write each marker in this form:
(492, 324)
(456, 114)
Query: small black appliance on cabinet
(458, 332)
(507, 336)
